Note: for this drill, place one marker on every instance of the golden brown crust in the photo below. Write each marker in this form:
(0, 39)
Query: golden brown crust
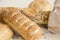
(41, 5)
(42, 17)
(29, 11)
(38, 17)
(4, 8)
(5, 32)
(1, 20)
(23, 25)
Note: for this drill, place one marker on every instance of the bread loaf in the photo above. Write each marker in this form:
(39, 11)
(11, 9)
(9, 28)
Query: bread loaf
(41, 5)
(38, 17)
(22, 24)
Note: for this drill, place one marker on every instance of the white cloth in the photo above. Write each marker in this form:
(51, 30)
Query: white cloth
(54, 21)
(15, 3)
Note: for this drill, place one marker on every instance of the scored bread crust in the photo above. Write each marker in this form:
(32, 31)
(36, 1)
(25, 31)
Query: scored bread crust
(5, 32)
(29, 12)
(38, 17)
(1, 14)
(22, 24)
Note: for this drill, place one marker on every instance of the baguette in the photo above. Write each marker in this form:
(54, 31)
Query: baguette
(1, 14)
(22, 24)
(38, 17)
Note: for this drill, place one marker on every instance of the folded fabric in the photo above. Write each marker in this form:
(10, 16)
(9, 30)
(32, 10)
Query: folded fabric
(54, 21)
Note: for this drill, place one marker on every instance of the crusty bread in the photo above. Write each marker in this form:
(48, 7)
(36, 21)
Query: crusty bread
(5, 32)
(40, 5)
(22, 24)
(1, 14)
(29, 12)
(38, 17)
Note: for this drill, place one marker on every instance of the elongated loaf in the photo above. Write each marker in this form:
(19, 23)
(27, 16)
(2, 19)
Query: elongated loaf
(5, 32)
(1, 14)
(22, 25)
(38, 17)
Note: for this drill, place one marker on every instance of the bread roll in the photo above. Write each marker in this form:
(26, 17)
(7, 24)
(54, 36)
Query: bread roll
(5, 32)
(40, 5)
(38, 17)
(22, 25)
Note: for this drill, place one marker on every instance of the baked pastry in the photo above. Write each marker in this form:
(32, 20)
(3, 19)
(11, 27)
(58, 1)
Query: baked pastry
(54, 21)
(41, 5)
(22, 24)
(5, 32)
(38, 17)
